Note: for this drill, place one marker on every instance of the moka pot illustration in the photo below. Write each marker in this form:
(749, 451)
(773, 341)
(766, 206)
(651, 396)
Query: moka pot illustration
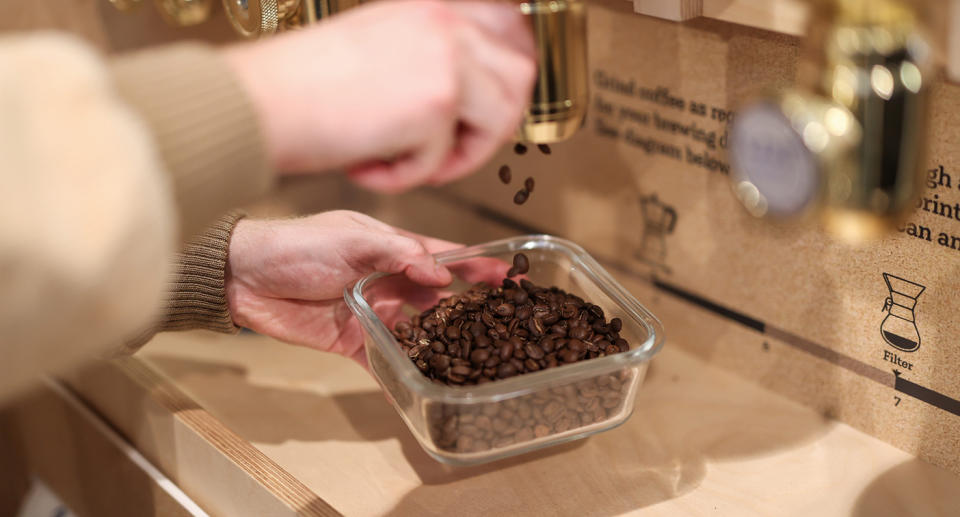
(659, 221)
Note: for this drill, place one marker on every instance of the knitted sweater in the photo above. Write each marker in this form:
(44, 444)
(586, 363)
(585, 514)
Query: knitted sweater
(108, 167)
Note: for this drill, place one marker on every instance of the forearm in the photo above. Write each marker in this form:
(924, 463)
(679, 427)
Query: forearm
(204, 126)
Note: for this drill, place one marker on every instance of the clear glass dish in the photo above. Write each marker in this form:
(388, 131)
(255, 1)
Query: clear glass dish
(465, 425)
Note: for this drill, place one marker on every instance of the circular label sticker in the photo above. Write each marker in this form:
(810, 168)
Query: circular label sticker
(767, 152)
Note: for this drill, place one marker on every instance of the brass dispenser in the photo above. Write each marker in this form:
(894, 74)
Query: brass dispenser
(255, 18)
(180, 13)
(850, 144)
(560, 97)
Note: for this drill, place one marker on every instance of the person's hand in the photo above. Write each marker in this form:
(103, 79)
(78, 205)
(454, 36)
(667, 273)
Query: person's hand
(286, 277)
(399, 93)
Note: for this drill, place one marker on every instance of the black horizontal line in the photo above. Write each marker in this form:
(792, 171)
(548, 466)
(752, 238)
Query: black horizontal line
(739, 317)
(927, 395)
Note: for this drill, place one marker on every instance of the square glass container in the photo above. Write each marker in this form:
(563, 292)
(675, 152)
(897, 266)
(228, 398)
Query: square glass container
(465, 425)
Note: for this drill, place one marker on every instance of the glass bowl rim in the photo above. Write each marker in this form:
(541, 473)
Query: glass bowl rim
(519, 385)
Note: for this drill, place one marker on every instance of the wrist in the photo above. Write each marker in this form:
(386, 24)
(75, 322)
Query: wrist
(233, 272)
(242, 60)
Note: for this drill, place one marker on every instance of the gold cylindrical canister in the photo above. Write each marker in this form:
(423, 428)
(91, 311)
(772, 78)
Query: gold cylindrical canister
(560, 97)
(879, 72)
(851, 141)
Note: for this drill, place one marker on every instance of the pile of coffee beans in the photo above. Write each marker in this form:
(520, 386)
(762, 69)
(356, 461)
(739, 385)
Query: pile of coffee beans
(506, 174)
(481, 427)
(490, 333)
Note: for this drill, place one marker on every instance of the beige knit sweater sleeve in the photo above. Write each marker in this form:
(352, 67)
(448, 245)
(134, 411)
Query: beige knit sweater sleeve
(196, 297)
(107, 167)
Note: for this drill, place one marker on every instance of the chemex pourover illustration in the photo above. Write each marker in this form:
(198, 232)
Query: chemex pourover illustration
(899, 327)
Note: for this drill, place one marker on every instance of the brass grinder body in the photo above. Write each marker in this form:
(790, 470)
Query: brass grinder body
(850, 146)
(561, 96)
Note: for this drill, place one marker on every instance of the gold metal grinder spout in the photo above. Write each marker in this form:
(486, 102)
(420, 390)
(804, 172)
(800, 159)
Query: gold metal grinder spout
(849, 145)
(560, 97)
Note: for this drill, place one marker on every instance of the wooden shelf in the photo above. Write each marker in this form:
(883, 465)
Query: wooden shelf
(310, 433)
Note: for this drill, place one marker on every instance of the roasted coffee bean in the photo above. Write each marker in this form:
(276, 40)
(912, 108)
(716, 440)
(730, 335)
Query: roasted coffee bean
(483, 341)
(487, 318)
(505, 174)
(461, 370)
(452, 333)
(533, 351)
(453, 349)
(505, 309)
(616, 324)
(524, 312)
(547, 344)
(569, 356)
(440, 362)
(520, 296)
(417, 350)
(596, 312)
(579, 333)
(528, 184)
(521, 263)
(520, 149)
(506, 350)
(480, 355)
(576, 345)
(559, 329)
(506, 370)
(535, 326)
(622, 344)
(520, 198)
(544, 148)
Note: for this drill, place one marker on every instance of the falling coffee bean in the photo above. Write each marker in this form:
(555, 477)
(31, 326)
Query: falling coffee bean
(528, 184)
(521, 197)
(505, 175)
(544, 148)
(520, 149)
(521, 264)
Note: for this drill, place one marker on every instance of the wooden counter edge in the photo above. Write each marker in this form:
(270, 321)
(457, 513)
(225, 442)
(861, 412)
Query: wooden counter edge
(191, 446)
(52, 436)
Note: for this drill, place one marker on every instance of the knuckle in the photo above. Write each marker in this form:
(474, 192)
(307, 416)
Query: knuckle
(443, 99)
(410, 247)
(435, 13)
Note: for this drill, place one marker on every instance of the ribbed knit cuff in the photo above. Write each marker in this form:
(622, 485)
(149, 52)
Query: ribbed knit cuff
(205, 127)
(196, 290)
